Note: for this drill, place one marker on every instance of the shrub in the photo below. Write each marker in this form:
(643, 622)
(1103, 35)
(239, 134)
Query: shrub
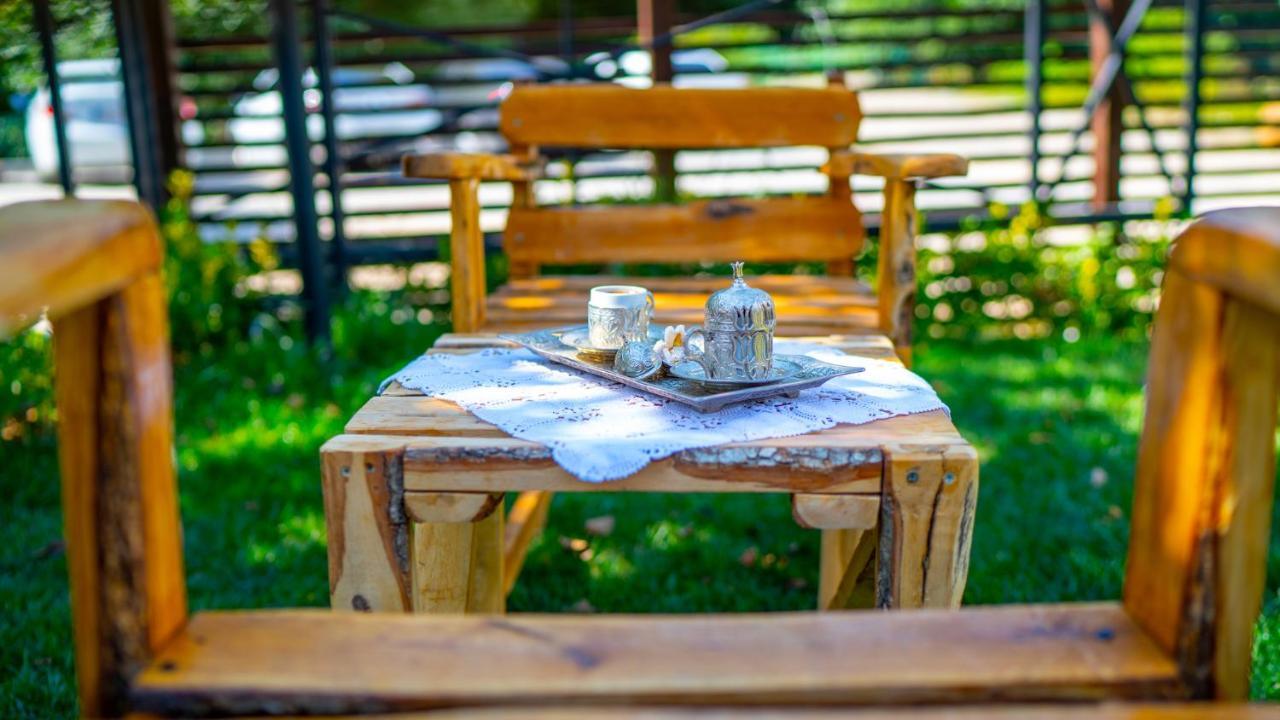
(1012, 278)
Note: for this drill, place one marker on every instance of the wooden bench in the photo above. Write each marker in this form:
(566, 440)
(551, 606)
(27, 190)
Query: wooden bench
(1193, 585)
(826, 228)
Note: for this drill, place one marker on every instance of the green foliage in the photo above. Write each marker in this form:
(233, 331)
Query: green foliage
(1008, 277)
(212, 304)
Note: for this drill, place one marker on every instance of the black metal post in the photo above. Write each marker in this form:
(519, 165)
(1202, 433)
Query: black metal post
(45, 29)
(1195, 23)
(286, 41)
(333, 163)
(566, 30)
(1034, 25)
(144, 33)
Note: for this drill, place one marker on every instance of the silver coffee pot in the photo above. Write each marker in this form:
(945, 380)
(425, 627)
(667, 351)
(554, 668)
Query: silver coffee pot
(735, 341)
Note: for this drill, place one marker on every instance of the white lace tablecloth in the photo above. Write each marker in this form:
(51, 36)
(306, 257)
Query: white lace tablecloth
(599, 430)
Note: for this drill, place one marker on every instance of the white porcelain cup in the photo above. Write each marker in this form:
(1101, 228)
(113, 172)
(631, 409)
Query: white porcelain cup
(618, 313)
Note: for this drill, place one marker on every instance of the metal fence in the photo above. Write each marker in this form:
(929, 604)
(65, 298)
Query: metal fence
(333, 97)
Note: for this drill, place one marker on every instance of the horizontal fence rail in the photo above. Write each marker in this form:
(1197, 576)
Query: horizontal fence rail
(931, 78)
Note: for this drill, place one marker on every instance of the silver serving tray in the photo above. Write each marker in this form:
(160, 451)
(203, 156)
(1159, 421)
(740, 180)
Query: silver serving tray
(813, 372)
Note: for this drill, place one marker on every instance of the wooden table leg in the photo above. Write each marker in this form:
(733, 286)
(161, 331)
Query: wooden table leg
(846, 578)
(455, 552)
(849, 536)
(368, 531)
(926, 526)
(457, 566)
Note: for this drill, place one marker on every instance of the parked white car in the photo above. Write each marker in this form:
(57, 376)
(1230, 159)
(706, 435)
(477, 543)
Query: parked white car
(370, 104)
(97, 131)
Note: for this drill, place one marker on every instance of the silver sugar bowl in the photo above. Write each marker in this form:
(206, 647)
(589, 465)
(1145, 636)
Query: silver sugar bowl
(735, 341)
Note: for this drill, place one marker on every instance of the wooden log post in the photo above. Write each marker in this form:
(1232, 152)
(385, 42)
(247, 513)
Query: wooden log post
(466, 255)
(363, 481)
(897, 265)
(119, 497)
(926, 525)
(846, 565)
(457, 552)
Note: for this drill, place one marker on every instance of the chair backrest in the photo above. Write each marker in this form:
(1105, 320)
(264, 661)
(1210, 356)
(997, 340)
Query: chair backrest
(604, 116)
(95, 267)
(1206, 462)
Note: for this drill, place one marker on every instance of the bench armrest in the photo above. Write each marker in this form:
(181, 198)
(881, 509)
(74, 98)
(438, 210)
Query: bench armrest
(472, 166)
(896, 289)
(66, 254)
(898, 167)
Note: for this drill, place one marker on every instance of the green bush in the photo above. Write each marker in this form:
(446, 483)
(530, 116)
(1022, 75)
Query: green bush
(1005, 277)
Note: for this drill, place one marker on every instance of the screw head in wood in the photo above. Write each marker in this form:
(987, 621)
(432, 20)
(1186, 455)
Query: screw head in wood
(948, 478)
(913, 477)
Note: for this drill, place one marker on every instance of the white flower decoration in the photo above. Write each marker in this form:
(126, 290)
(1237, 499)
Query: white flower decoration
(671, 347)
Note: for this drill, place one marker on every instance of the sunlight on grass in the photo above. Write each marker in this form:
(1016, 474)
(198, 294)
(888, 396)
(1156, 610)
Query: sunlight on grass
(669, 535)
(610, 564)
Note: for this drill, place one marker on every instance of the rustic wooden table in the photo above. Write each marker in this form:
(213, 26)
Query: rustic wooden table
(414, 500)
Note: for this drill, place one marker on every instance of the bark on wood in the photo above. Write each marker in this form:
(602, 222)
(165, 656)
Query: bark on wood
(120, 500)
(930, 495)
(897, 269)
(368, 529)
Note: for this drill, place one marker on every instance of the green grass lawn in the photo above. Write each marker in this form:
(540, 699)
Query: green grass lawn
(1056, 424)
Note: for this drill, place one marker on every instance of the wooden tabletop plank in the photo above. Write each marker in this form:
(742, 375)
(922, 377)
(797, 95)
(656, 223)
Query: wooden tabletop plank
(298, 660)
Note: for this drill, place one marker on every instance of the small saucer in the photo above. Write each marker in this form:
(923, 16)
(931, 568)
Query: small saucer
(578, 339)
(783, 369)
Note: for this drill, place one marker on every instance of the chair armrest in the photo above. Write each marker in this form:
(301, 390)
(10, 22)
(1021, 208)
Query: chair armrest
(464, 166)
(1236, 250)
(66, 254)
(899, 167)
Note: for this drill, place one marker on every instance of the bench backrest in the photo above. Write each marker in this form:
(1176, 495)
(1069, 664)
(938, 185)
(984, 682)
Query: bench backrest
(605, 116)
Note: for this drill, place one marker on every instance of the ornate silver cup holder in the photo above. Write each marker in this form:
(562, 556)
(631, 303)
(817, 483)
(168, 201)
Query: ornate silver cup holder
(798, 372)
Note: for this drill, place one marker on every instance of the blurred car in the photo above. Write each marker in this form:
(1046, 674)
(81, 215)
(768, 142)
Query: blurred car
(696, 67)
(97, 130)
(371, 104)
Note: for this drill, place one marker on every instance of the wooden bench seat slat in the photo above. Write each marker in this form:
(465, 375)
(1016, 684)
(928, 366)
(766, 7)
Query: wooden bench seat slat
(297, 661)
(1073, 711)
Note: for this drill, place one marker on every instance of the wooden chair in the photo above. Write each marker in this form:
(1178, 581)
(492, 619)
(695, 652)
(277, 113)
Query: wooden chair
(826, 228)
(1192, 591)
